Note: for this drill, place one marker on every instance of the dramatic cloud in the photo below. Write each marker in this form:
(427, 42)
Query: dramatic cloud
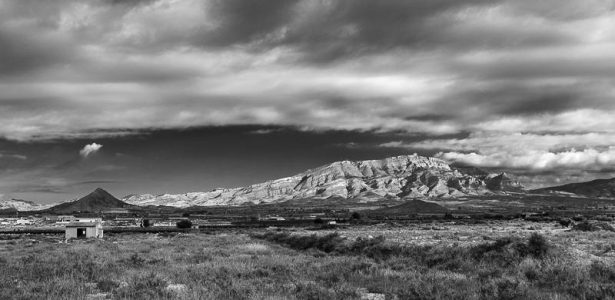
(574, 154)
(89, 149)
(71, 68)
(588, 159)
(534, 71)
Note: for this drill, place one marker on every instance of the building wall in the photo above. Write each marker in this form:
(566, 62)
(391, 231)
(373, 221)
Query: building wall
(71, 233)
(94, 232)
(90, 232)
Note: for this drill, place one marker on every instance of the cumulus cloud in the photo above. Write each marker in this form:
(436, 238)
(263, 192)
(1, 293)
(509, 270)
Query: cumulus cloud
(588, 159)
(90, 149)
(529, 82)
(529, 151)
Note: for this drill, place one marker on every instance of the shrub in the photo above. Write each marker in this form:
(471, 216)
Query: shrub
(107, 285)
(565, 222)
(136, 260)
(146, 223)
(508, 250)
(333, 243)
(479, 251)
(184, 224)
(601, 272)
(537, 245)
(584, 226)
(593, 226)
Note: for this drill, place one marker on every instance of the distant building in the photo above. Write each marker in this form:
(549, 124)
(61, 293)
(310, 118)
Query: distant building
(23, 222)
(89, 229)
(275, 218)
(66, 219)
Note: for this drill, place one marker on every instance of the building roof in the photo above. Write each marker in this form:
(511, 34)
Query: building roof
(82, 224)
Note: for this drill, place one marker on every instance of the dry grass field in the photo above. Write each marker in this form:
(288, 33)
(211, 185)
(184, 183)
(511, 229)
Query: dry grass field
(424, 261)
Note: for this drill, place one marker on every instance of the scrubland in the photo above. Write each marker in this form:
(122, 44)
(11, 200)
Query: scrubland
(497, 260)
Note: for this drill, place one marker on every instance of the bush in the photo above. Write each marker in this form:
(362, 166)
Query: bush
(135, 260)
(565, 222)
(601, 272)
(375, 248)
(537, 245)
(593, 226)
(146, 223)
(107, 285)
(509, 250)
(184, 224)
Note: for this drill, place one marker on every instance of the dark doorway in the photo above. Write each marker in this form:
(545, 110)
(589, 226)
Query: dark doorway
(80, 233)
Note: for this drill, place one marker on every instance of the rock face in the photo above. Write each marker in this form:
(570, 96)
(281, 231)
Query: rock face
(97, 200)
(599, 188)
(408, 176)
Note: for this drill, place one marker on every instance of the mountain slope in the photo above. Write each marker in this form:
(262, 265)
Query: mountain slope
(599, 188)
(97, 200)
(408, 176)
(21, 205)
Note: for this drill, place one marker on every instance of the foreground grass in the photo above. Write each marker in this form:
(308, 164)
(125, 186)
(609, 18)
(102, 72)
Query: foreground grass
(291, 266)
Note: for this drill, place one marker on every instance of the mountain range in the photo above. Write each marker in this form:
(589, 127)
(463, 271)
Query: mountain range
(22, 205)
(404, 177)
(408, 176)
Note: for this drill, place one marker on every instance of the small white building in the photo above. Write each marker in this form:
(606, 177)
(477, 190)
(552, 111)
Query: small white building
(23, 222)
(89, 229)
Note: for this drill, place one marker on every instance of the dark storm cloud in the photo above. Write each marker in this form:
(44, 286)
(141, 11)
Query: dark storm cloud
(542, 65)
(129, 2)
(522, 99)
(240, 21)
(475, 76)
(325, 31)
(23, 51)
(343, 29)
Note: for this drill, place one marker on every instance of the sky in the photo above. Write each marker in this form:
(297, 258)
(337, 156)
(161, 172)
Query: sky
(157, 96)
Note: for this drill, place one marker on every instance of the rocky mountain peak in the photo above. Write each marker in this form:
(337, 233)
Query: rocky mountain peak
(405, 176)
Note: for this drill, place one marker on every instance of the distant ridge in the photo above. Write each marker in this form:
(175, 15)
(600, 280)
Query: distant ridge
(21, 205)
(599, 188)
(96, 201)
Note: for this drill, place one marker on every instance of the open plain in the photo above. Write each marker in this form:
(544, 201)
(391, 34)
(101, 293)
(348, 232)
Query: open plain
(495, 259)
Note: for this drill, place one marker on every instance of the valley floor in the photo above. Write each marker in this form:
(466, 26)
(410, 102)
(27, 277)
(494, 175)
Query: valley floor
(498, 259)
